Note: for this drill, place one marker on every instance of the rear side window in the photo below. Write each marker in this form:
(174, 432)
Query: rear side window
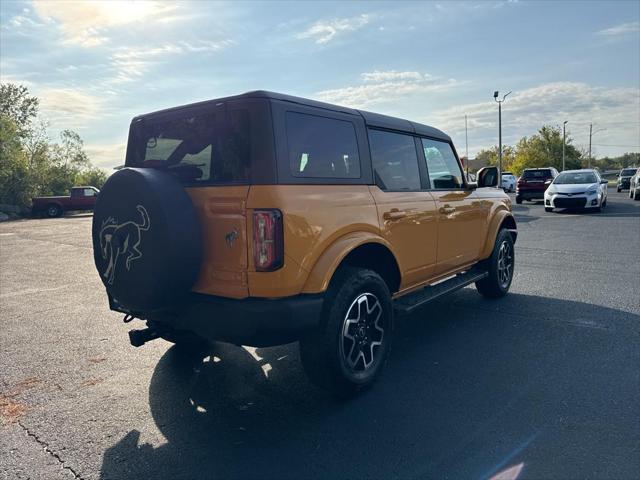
(536, 174)
(212, 147)
(321, 147)
(395, 161)
(444, 169)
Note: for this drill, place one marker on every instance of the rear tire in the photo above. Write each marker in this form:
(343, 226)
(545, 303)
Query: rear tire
(518, 200)
(636, 194)
(348, 350)
(53, 210)
(500, 266)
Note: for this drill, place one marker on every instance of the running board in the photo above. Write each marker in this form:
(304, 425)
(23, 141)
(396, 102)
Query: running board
(408, 303)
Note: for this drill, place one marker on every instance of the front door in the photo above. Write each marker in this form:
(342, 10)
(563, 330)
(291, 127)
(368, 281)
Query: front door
(462, 214)
(406, 212)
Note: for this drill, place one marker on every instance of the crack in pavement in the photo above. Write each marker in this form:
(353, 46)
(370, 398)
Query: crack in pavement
(45, 447)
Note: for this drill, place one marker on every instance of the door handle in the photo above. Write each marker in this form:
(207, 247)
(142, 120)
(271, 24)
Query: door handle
(394, 214)
(447, 210)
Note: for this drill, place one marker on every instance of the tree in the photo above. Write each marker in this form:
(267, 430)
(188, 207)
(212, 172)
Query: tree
(490, 157)
(544, 149)
(18, 105)
(30, 164)
(94, 177)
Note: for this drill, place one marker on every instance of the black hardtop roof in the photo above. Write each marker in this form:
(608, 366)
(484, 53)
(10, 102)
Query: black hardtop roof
(370, 118)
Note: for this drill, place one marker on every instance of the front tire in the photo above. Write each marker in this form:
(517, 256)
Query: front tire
(500, 266)
(347, 352)
(548, 209)
(518, 200)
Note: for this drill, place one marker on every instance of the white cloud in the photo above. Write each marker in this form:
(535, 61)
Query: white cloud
(106, 156)
(381, 87)
(391, 75)
(132, 63)
(324, 31)
(524, 112)
(84, 23)
(621, 29)
(69, 108)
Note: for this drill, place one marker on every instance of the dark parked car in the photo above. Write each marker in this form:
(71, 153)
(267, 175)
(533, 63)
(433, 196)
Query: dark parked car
(533, 183)
(634, 186)
(625, 177)
(81, 198)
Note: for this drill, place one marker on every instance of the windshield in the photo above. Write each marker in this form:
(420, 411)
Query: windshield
(628, 172)
(575, 178)
(536, 174)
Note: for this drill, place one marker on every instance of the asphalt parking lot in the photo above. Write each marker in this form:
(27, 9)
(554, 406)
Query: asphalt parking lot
(541, 384)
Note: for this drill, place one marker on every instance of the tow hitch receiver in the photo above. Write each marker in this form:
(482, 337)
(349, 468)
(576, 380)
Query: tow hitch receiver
(140, 337)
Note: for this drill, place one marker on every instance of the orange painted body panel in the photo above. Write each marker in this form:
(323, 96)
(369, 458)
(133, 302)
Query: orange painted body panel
(431, 234)
(222, 211)
(315, 216)
(408, 223)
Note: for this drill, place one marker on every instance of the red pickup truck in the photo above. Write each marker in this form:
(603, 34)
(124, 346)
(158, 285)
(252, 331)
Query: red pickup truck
(81, 198)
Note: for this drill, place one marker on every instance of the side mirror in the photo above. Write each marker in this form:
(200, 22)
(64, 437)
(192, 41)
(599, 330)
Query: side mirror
(604, 182)
(548, 182)
(487, 177)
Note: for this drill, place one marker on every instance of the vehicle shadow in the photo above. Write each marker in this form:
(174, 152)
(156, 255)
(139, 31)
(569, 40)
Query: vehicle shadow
(473, 387)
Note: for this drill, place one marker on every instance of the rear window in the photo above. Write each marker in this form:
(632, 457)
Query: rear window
(321, 147)
(628, 172)
(536, 174)
(222, 143)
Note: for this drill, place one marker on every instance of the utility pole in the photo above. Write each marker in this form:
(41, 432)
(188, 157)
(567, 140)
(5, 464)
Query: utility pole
(564, 140)
(591, 134)
(466, 141)
(495, 97)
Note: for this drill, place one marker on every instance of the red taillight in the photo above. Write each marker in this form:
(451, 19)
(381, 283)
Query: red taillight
(267, 240)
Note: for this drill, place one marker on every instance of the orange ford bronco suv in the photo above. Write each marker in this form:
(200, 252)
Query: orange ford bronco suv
(263, 219)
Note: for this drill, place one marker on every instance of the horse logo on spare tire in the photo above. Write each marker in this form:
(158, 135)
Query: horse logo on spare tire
(122, 240)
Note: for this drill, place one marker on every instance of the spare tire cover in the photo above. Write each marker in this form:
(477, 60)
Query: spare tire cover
(147, 244)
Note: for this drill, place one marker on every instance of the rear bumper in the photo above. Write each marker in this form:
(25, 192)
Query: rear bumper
(530, 194)
(257, 322)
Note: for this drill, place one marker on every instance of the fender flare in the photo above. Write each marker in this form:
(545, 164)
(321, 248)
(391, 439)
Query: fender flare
(329, 261)
(499, 218)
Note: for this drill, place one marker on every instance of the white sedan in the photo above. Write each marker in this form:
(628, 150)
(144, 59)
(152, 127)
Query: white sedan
(576, 189)
(508, 182)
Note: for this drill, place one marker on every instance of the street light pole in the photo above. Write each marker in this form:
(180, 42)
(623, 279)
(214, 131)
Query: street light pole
(466, 141)
(564, 140)
(495, 97)
(591, 134)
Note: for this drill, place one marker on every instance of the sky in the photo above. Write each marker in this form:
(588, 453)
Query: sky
(95, 65)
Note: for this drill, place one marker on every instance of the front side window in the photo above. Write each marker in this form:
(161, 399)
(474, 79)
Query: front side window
(395, 161)
(321, 147)
(213, 147)
(89, 192)
(444, 169)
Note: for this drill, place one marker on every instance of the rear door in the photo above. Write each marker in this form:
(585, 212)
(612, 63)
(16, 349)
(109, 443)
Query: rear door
(406, 211)
(462, 213)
